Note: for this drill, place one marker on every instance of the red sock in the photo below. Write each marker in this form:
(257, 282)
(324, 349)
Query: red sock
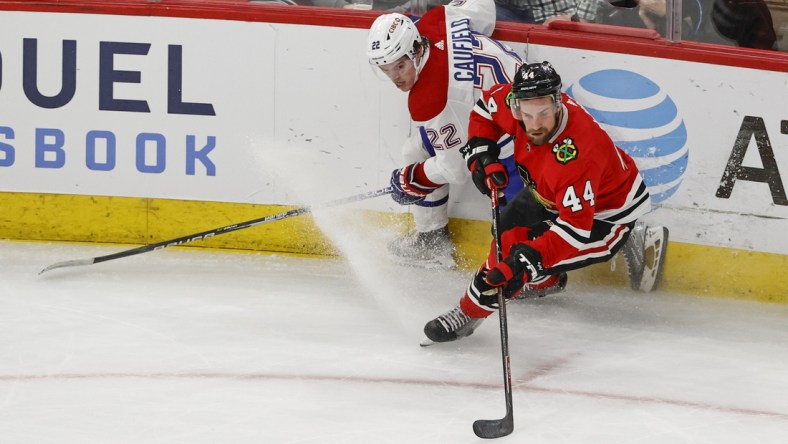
(469, 306)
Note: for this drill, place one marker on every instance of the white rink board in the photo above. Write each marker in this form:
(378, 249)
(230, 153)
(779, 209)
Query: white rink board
(275, 105)
(303, 101)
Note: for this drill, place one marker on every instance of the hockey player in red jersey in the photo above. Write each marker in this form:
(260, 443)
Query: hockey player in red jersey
(582, 199)
(443, 61)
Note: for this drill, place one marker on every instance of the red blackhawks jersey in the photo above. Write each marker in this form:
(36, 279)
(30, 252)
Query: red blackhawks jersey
(579, 174)
(462, 61)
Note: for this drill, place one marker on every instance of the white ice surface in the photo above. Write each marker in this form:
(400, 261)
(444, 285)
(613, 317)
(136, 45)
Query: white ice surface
(188, 346)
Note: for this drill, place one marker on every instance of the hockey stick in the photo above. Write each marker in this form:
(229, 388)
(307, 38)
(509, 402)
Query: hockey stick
(215, 231)
(496, 428)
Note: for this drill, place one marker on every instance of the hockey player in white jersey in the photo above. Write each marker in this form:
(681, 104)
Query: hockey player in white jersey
(443, 61)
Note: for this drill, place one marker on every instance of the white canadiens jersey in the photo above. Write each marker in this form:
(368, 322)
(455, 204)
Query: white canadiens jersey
(461, 63)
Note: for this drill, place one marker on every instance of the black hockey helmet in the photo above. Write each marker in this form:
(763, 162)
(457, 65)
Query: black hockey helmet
(536, 80)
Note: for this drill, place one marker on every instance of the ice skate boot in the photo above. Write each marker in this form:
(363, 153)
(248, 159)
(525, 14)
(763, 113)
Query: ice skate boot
(644, 253)
(430, 249)
(550, 284)
(450, 326)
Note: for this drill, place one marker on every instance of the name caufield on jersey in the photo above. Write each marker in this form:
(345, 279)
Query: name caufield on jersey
(462, 51)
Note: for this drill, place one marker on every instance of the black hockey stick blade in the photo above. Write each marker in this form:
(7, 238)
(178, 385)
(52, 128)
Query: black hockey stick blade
(72, 263)
(494, 428)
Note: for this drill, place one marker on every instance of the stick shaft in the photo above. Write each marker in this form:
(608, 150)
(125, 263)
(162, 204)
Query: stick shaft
(507, 371)
(216, 231)
(202, 235)
(496, 428)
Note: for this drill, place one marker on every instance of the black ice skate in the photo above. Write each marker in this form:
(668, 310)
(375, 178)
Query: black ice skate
(644, 253)
(450, 326)
(430, 249)
(552, 285)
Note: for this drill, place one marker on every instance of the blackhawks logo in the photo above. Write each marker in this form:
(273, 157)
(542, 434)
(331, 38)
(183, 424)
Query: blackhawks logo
(566, 151)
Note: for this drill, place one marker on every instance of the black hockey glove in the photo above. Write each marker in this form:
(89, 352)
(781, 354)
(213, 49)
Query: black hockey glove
(481, 156)
(524, 264)
(410, 185)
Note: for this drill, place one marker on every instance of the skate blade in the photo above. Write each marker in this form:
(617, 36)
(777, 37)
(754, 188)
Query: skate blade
(426, 342)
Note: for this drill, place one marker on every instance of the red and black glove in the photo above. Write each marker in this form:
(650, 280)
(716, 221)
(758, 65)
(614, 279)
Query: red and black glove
(523, 265)
(481, 155)
(410, 185)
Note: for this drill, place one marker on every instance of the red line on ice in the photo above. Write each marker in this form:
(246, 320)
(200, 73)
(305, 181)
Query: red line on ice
(518, 385)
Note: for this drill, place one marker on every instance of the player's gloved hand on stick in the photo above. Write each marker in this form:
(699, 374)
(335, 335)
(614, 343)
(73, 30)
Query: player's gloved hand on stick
(410, 185)
(481, 155)
(523, 263)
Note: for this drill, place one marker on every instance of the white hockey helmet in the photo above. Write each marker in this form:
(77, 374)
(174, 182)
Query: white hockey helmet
(390, 37)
